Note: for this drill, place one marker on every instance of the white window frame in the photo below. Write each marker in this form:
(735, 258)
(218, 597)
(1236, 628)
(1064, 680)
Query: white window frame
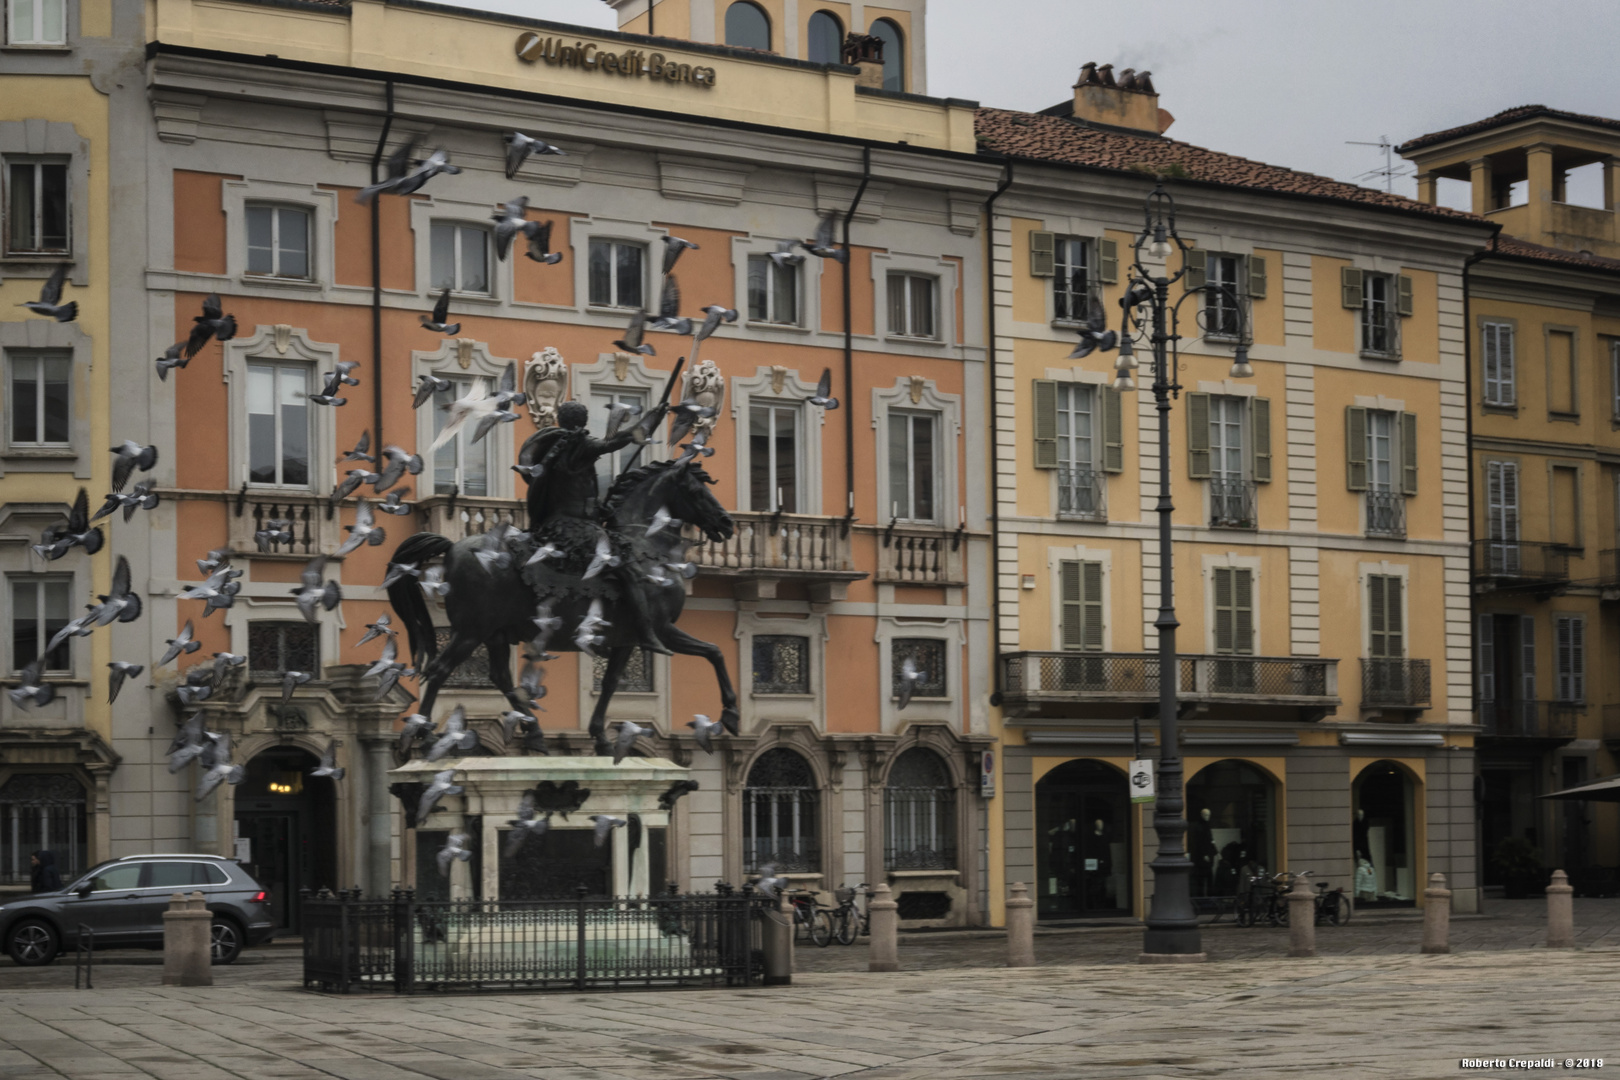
(1614, 378)
(319, 203)
(38, 40)
(24, 140)
(1063, 272)
(775, 413)
(1067, 414)
(1215, 300)
(1219, 449)
(920, 396)
(649, 281)
(910, 282)
(772, 271)
(450, 361)
(276, 249)
(462, 446)
(1389, 441)
(779, 387)
(457, 228)
(1504, 383)
(597, 397)
(1369, 310)
(903, 505)
(1505, 517)
(37, 162)
(13, 359)
(1569, 633)
(279, 370)
(38, 580)
(265, 345)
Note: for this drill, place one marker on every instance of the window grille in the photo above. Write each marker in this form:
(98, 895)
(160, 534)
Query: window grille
(781, 814)
(42, 812)
(928, 654)
(781, 664)
(278, 647)
(919, 811)
(637, 677)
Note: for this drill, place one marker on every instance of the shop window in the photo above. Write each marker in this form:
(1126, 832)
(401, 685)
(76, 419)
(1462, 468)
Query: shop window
(279, 420)
(1231, 833)
(781, 664)
(40, 399)
(894, 54)
(42, 812)
(460, 257)
(913, 466)
(919, 814)
(277, 647)
(278, 241)
(460, 466)
(928, 655)
(781, 814)
(826, 34)
(773, 291)
(40, 606)
(912, 305)
(1382, 838)
(616, 275)
(1083, 839)
(773, 458)
(36, 206)
(637, 677)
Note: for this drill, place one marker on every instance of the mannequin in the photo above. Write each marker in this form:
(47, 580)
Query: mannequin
(1366, 878)
(1201, 849)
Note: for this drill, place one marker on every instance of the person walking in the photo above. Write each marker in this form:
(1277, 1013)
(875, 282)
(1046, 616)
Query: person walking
(45, 875)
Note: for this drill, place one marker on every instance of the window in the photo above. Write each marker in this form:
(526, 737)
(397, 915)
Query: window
(460, 257)
(1380, 441)
(1082, 586)
(41, 812)
(1379, 327)
(460, 466)
(911, 305)
(37, 22)
(781, 664)
(1223, 315)
(894, 54)
(637, 677)
(1570, 631)
(1502, 500)
(1565, 510)
(747, 26)
(120, 877)
(919, 813)
(773, 291)
(826, 35)
(616, 275)
(1497, 354)
(1563, 385)
(36, 206)
(928, 655)
(773, 458)
(781, 814)
(278, 424)
(1234, 610)
(278, 241)
(473, 672)
(1080, 485)
(277, 647)
(1231, 497)
(40, 606)
(1072, 282)
(913, 470)
(611, 465)
(40, 397)
(1384, 621)
(172, 875)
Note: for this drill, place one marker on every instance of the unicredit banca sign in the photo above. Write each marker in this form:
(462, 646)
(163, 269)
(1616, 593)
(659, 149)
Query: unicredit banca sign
(590, 56)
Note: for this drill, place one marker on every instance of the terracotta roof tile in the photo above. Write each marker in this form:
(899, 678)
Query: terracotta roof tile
(1513, 248)
(1068, 141)
(1502, 119)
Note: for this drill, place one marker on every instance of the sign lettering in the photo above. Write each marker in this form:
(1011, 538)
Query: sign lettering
(532, 47)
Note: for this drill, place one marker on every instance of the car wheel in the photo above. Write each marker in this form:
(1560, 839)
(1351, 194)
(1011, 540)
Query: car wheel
(225, 941)
(32, 943)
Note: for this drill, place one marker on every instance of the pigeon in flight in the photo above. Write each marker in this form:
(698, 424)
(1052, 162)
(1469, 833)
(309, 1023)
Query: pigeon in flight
(364, 531)
(430, 385)
(674, 246)
(215, 760)
(329, 765)
(661, 521)
(378, 629)
(216, 559)
(490, 420)
(355, 477)
(669, 309)
(131, 456)
(475, 403)
(586, 637)
(910, 676)
(492, 552)
(618, 413)
(785, 255)
(292, 680)
(561, 799)
(602, 559)
(455, 847)
(312, 593)
(50, 303)
(416, 727)
(629, 731)
(687, 413)
(329, 392)
(1094, 334)
(83, 626)
(188, 743)
(199, 685)
(542, 553)
(57, 540)
(822, 398)
(117, 672)
(121, 604)
(545, 623)
(218, 592)
(436, 323)
(529, 822)
(438, 789)
(455, 737)
(276, 531)
(30, 688)
(769, 884)
(173, 357)
(393, 505)
(518, 148)
(388, 670)
(361, 450)
(407, 175)
(531, 682)
(181, 644)
(399, 572)
(632, 342)
(509, 221)
(224, 664)
(530, 473)
(605, 824)
(713, 316)
(140, 497)
(821, 245)
(703, 730)
(433, 582)
(538, 235)
(213, 324)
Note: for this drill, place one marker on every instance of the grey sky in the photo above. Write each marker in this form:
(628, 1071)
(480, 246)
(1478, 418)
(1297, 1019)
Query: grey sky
(1283, 81)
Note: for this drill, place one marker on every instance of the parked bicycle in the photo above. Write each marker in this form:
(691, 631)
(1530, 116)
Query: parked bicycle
(810, 918)
(1266, 900)
(849, 922)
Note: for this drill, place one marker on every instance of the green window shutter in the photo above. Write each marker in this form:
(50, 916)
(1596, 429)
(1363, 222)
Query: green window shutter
(1355, 448)
(1350, 287)
(1403, 295)
(1375, 616)
(1242, 612)
(1384, 618)
(1108, 261)
(1113, 430)
(1223, 609)
(1260, 423)
(1046, 448)
(1091, 600)
(1409, 464)
(1257, 277)
(1042, 254)
(1198, 463)
(1197, 269)
(1072, 601)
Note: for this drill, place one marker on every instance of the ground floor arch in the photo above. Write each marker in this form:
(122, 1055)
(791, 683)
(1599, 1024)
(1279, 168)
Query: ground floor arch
(1384, 801)
(1232, 826)
(1083, 842)
(289, 822)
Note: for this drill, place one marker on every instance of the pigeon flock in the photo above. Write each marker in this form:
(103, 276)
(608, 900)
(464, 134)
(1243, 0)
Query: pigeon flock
(481, 409)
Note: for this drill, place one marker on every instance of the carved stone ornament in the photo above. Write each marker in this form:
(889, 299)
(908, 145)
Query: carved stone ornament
(918, 384)
(281, 334)
(545, 382)
(707, 386)
(778, 378)
(464, 352)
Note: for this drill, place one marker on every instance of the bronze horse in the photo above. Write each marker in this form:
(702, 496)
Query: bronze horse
(495, 605)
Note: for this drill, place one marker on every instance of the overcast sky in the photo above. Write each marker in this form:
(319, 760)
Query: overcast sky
(1287, 82)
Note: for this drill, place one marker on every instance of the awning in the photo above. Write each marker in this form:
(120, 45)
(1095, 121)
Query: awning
(1604, 790)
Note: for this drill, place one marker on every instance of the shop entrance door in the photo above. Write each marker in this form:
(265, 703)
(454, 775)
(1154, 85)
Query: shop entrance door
(289, 820)
(1083, 842)
(273, 845)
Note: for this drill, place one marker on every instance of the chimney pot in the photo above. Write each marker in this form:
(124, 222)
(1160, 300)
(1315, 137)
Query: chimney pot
(1130, 102)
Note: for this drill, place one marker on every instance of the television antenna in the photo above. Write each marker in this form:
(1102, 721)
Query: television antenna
(1390, 170)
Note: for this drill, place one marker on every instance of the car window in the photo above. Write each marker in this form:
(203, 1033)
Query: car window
(116, 878)
(175, 875)
(207, 874)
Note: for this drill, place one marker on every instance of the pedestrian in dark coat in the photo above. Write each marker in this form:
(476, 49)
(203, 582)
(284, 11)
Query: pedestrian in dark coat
(45, 875)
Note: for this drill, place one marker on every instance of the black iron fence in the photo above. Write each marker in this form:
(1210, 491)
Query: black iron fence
(1394, 683)
(1231, 504)
(1528, 719)
(1386, 514)
(1082, 493)
(404, 945)
(1520, 560)
(1032, 676)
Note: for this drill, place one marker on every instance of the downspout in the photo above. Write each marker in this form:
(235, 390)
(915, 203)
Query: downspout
(995, 444)
(849, 350)
(376, 273)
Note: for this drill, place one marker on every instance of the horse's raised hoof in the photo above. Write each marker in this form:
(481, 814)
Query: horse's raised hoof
(604, 748)
(731, 721)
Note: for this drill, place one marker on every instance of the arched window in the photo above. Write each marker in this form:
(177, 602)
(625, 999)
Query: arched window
(42, 812)
(919, 814)
(1083, 841)
(1231, 826)
(826, 38)
(747, 26)
(781, 814)
(894, 54)
(1381, 836)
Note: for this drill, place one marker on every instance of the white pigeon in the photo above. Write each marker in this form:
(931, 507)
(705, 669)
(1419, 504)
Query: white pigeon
(605, 824)
(909, 678)
(661, 521)
(543, 552)
(433, 582)
(474, 405)
(602, 559)
(455, 847)
(455, 737)
(438, 789)
(329, 765)
(704, 729)
(586, 638)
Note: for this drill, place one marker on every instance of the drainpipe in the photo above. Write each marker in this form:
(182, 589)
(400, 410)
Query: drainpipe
(995, 448)
(849, 350)
(376, 273)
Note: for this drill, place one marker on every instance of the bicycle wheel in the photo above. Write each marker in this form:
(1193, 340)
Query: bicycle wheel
(1279, 911)
(1243, 911)
(1337, 909)
(821, 929)
(847, 928)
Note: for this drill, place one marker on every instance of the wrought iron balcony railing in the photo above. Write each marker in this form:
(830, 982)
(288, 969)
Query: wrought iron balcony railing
(1035, 678)
(1082, 494)
(1386, 514)
(1394, 683)
(1231, 504)
(1527, 719)
(1510, 561)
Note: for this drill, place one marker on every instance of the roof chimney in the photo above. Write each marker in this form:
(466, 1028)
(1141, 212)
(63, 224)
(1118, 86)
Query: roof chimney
(1128, 101)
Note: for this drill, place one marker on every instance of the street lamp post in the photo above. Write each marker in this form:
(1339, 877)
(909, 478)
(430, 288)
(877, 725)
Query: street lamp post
(1172, 924)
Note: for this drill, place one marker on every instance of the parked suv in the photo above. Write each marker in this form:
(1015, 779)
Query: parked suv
(123, 902)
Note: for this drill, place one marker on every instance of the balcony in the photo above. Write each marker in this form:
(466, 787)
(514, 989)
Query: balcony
(316, 528)
(1609, 571)
(457, 517)
(1386, 514)
(1552, 720)
(770, 548)
(1394, 684)
(1032, 681)
(925, 555)
(1082, 495)
(1231, 504)
(1499, 563)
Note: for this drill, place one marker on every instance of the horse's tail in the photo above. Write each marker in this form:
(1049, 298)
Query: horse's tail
(406, 594)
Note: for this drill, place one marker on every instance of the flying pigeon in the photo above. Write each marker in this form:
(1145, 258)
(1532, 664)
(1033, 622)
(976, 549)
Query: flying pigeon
(661, 520)
(329, 392)
(50, 296)
(542, 553)
(398, 464)
(117, 672)
(388, 669)
(605, 824)
(586, 638)
(509, 221)
(455, 737)
(527, 823)
(822, 244)
(188, 743)
(364, 531)
(292, 680)
(198, 685)
(618, 413)
(378, 629)
(713, 316)
(433, 582)
(909, 678)
(31, 689)
(674, 246)
(399, 572)
(216, 559)
(704, 729)
(430, 385)
(687, 413)
(121, 604)
(181, 644)
(784, 255)
(475, 403)
(393, 504)
(213, 323)
(173, 357)
(518, 148)
(455, 847)
(561, 799)
(538, 235)
(406, 175)
(769, 884)
(669, 309)
(225, 663)
(823, 398)
(131, 456)
(416, 727)
(488, 421)
(359, 453)
(438, 789)
(215, 760)
(545, 623)
(57, 540)
(329, 765)
(276, 531)
(631, 341)
(436, 323)
(356, 477)
(1094, 334)
(218, 592)
(492, 552)
(312, 594)
(603, 558)
(629, 731)
(531, 683)
(83, 626)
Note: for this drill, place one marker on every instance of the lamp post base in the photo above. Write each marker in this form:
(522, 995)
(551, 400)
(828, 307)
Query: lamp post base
(1171, 958)
(1175, 946)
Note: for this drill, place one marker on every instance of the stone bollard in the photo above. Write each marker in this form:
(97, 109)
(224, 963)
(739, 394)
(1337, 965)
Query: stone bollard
(187, 958)
(779, 944)
(1560, 912)
(1020, 927)
(883, 954)
(1302, 918)
(1437, 915)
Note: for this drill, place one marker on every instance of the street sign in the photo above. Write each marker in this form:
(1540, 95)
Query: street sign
(987, 774)
(1142, 789)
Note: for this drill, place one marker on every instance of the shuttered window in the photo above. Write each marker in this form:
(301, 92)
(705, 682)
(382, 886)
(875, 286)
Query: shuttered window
(1385, 617)
(1074, 425)
(1234, 611)
(1082, 584)
(1072, 422)
(1502, 500)
(1072, 279)
(1485, 657)
(1570, 631)
(1497, 356)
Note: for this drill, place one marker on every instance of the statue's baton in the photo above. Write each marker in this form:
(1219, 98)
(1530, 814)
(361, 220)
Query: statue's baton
(669, 388)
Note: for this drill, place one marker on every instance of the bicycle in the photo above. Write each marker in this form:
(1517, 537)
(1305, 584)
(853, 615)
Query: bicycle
(849, 922)
(810, 917)
(1330, 907)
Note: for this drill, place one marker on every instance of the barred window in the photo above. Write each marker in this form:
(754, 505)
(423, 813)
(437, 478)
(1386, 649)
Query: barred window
(471, 673)
(919, 812)
(276, 647)
(41, 812)
(781, 664)
(781, 814)
(928, 654)
(637, 677)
